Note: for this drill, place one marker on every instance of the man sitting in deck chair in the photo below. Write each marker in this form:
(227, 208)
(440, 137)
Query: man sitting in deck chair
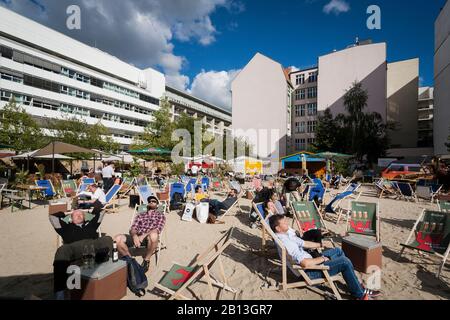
(96, 195)
(335, 259)
(76, 234)
(215, 206)
(144, 232)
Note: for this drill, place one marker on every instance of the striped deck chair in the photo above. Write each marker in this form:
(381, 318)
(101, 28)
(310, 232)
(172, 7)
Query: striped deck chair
(69, 188)
(191, 185)
(444, 206)
(177, 280)
(144, 192)
(382, 188)
(288, 263)
(49, 192)
(142, 209)
(406, 191)
(111, 205)
(431, 235)
(127, 185)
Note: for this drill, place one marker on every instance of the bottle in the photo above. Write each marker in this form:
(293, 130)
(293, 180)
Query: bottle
(115, 253)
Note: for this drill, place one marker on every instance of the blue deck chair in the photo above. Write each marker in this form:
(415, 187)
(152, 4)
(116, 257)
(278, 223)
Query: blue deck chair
(88, 181)
(317, 191)
(49, 192)
(191, 185)
(205, 183)
(334, 206)
(144, 192)
(111, 199)
(177, 188)
(406, 191)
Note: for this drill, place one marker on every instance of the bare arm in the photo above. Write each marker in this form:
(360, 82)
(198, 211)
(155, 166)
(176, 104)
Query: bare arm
(308, 263)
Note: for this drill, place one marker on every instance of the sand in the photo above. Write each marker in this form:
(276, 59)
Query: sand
(28, 244)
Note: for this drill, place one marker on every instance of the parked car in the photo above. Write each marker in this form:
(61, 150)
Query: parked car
(399, 170)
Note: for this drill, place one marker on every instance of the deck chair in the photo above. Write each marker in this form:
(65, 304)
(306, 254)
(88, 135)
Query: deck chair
(177, 188)
(364, 220)
(444, 206)
(287, 262)
(111, 205)
(317, 191)
(180, 277)
(127, 185)
(405, 190)
(307, 217)
(141, 209)
(205, 183)
(49, 192)
(144, 192)
(381, 186)
(191, 185)
(87, 181)
(227, 212)
(431, 235)
(334, 207)
(69, 188)
(429, 192)
(216, 184)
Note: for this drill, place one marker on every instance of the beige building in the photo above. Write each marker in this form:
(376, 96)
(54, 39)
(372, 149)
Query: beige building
(261, 102)
(425, 117)
(402, 101)
(442, 81)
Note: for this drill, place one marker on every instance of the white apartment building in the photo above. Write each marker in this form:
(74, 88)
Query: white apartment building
(426, 117)
(54, 76)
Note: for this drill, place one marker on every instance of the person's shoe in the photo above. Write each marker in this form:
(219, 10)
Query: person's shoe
(370, 294)
(145, 265)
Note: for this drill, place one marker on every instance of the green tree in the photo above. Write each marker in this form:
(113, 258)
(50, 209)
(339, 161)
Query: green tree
(327, 133)
(18, 129)
(78, 132)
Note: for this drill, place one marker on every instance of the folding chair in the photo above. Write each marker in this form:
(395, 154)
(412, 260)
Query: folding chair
(87, 181)
(405, 191)
(431, 235)
(177, 188)
(144, 192)
(142, 209)
(364, 220)
(334, 207)
(205, 183)
(297, 270)
(308, 217)
(216, 184)
(444, 206)
(69, 188)
(179, 277)
(220, 218)
(380, 185)
(127, 185)
(49, 192)
(317, 191)
(111, 199)
(190, 185)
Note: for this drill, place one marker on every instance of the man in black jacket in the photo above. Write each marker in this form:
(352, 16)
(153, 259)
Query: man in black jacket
(76, 234)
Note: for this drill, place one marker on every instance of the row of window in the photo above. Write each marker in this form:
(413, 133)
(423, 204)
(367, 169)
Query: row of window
(69, 109)
(306, 93)
(24, 58)
(303, 110)
(10, 77)
(300, 78)
(300, 144)
(305, 127)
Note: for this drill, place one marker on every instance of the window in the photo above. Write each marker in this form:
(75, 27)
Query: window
(311, 141)
(312, 92)
(303, 110)
(312, 126)
(10, 77)
(302, 145)
(302, 127)
(312, 77)
(312, 109)
(302, 94)
(299, 79)
(297, 94)
(6, 52)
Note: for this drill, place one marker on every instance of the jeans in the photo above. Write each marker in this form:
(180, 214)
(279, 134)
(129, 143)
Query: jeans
(339, 263)
(215, 206)
(69, 253)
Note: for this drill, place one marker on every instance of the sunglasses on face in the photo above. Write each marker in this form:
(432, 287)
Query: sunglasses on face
(153, 201)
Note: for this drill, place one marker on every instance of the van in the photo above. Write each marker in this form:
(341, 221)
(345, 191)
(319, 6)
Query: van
(399, 170)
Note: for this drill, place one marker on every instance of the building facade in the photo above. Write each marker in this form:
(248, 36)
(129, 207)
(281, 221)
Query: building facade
(442, 81)
(53, 76)
(425, 117)
(216, 119)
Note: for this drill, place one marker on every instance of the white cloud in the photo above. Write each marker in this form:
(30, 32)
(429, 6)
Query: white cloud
(214, 86)
(337, 7)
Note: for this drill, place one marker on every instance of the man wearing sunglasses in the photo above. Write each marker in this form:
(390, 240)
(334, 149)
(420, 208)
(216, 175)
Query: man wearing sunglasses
(145, 232)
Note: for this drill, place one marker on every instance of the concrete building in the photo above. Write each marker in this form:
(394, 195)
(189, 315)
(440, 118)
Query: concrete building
(53, 76)
(402, 100)
(442, 81)
(217, 120)
(426, 117)
(261, 102)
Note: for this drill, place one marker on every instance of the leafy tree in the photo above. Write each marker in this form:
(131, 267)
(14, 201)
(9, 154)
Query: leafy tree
(327, 129)
(18, 129)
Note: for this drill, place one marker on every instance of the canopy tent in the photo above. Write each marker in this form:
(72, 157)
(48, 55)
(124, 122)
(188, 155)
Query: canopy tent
(305, 160)
(57, 147)
(156, 151)
(29, 155)
(123, 157)
(333, 155)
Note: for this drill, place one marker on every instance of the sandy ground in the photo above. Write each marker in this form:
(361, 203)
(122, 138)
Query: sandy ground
(28, 243)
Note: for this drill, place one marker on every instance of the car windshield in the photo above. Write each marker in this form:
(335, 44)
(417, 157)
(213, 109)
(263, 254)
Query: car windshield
(414, 169)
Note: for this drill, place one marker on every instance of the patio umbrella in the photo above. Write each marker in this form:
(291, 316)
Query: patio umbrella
(158, 151)
(4, 146)
(333, 155)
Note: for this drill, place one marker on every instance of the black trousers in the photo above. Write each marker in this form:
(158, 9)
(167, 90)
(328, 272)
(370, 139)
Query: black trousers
(69, 253)
(107, 184)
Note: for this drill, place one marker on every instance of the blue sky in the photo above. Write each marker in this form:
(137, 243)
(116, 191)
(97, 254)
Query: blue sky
(201, 44)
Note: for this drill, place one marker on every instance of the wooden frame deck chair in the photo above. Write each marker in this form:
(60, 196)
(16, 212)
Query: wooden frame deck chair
(69, 188)
(227, 212)
(216, 184)
(364, 220)
(177, 187)
(141, 209)
(206, 183)
(405, 191)
(111, 205)
(334, 207)
(87, 181)
(144, 192)
(431, 235)
(308, 217)
(380, 185)
(297, 270)
(444, 206)
(179, 277)
(318, 191)
(127, 185)
(49, 192)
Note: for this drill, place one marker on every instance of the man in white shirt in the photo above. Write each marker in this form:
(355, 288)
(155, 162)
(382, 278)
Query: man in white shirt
(108, 177)
(194, 170)
(97, 196)
(335, 259)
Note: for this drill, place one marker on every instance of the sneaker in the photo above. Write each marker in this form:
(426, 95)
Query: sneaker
(145, 265)
(370, 294)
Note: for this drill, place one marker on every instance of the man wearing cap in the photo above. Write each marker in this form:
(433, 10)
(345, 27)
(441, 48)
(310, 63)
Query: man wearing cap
(144, 232)
(96, 195)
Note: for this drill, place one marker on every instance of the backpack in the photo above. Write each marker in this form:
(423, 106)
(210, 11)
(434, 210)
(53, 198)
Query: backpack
(136, 279)
(176, 202)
